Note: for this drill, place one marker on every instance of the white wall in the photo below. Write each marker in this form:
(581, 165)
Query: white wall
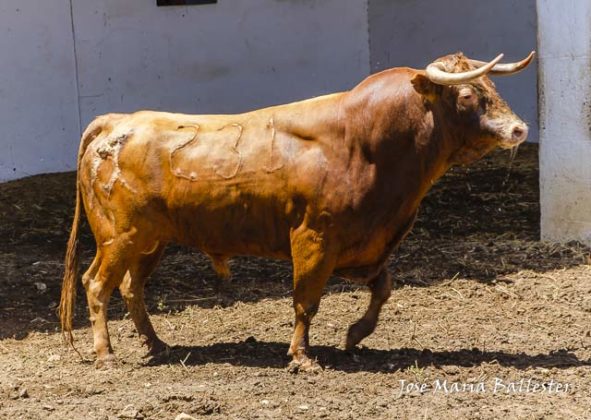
(228, 57)
(565, 119)
(38, 104)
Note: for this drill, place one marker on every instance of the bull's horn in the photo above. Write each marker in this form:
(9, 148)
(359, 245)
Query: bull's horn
(507, 68)
(437, 74)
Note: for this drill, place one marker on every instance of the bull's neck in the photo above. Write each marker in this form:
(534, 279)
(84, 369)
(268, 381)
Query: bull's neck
(436, 146)
(411, 156)
(426, 150)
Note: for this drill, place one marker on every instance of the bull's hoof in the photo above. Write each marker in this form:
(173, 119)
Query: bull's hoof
(158, 349)
(304, 364)
(351, 343)
(357, 332)
(106, 362)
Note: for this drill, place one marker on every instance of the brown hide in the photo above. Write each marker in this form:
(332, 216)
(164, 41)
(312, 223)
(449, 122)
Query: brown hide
(332, 183)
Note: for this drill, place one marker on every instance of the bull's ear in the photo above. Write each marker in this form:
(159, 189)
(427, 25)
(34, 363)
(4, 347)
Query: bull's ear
(424, 86)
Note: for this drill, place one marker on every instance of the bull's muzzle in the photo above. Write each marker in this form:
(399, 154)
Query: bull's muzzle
(516, 135)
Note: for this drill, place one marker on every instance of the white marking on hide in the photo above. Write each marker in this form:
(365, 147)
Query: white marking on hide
(206, 152)
(270, 168)
(110, 147)
(177, 171)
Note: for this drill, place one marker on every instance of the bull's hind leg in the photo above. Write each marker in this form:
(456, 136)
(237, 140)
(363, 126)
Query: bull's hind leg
(313, 262)
(380, 287)
(132, 291)
(105, 273)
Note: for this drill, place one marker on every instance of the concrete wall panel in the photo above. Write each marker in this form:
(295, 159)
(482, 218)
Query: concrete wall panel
(565, 119)
(38, 101)
(223, 58)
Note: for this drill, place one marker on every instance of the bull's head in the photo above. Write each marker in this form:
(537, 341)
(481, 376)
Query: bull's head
(460, 89)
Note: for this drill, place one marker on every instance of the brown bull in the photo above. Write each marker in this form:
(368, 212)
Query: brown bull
(331, 183)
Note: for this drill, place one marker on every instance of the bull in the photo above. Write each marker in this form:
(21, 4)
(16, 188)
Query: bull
(331, 183)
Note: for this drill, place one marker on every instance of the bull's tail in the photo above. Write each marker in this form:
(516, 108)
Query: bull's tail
(68, 296)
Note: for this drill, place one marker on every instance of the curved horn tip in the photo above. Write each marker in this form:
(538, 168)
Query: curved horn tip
(531, 55)
(505, 69)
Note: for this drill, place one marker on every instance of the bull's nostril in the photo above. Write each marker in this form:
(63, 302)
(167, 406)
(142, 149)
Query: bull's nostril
(519, 133)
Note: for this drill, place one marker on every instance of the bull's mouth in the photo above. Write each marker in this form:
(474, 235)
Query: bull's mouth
(510, 144)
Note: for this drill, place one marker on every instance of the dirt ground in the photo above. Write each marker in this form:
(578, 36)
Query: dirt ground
(479, 304)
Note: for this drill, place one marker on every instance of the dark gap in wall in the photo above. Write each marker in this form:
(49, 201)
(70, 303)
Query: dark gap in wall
(183, 2)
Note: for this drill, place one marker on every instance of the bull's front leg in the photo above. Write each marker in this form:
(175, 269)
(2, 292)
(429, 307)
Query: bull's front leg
(313, 263)
(381, 287)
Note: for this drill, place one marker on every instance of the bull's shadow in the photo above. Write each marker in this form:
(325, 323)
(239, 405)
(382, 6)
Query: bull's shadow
(261, 354)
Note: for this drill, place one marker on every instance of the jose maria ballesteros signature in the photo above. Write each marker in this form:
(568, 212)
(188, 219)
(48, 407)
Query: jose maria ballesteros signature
(494, 386)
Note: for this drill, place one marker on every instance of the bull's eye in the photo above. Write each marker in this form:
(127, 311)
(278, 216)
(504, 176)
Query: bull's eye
(467, 99)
